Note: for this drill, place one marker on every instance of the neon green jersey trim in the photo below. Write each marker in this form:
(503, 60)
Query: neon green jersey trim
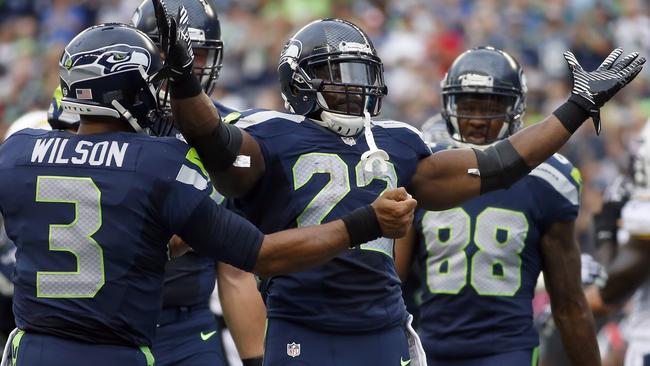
(148, 355)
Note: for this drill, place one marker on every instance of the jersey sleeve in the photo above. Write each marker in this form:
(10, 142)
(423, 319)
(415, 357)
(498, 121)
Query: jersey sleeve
(215, 232)
(408, 135)
(558, 189)
(261, 125)
(182, 184)
(191, 209)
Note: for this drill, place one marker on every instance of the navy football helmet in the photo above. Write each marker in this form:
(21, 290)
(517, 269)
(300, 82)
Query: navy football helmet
(204, 31)
(106, 70)
(484, 83)
(329, 70)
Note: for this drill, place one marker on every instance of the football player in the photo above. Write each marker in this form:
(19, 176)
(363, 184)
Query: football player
(480, 261)
(189, 280)
(328, 157)
(629, 270)
(91, 213)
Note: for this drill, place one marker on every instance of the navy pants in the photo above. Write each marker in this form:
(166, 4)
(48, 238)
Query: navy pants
(32, 349)
(292, 344)
(188, 336)
(513, 358)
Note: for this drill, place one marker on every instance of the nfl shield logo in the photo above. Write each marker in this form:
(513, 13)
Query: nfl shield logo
(293, 349)
(348, 140)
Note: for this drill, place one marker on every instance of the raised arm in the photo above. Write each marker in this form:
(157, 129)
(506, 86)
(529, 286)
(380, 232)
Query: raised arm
(450, 177)
(219, 145)
(570, 310)
(629, 269)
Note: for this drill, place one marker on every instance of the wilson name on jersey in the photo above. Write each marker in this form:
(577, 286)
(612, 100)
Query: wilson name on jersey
(314, 176)
(91, 232)
(480, 263)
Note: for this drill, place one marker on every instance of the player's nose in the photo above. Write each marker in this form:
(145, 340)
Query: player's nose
(477, 123)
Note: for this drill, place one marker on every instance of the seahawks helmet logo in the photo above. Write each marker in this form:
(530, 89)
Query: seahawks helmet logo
(103, 61)
(291, 53)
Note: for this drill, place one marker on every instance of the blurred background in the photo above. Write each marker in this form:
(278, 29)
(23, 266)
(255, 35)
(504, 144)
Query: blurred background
(417, 40)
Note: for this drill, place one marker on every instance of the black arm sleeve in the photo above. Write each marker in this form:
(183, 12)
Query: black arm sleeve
(219, 149)
(500, 166)
(216, 232)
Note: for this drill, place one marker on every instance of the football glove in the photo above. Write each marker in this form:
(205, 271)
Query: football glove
(592, 272)
(591, 90)
(175, 43)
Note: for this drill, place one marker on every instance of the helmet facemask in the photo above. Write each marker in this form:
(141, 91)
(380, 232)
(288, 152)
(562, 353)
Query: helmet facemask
(482, 118)
(485, 88)
(339, 88)
(208, 60)
(346, 86)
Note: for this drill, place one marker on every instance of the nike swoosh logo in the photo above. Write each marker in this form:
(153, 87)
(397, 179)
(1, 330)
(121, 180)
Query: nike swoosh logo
(207, 336)
(404, 363)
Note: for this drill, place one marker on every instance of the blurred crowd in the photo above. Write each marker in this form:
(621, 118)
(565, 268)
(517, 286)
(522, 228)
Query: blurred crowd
(417, 40)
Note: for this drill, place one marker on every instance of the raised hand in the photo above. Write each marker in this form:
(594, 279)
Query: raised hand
(175, 43)
(592, 89)
(395, 211)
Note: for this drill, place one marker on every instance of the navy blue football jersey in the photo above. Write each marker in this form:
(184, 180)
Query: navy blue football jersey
(91, 216)
(189, 279)
(480, 263)
(314, 176)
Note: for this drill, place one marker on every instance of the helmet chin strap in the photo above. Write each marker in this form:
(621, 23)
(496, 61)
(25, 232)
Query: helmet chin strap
(374, 159)
(127, 116)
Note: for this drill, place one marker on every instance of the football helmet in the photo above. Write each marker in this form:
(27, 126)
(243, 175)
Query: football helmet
(329, 70)
(106, 70)
(484, 83)
(204, 31)
(57, 118)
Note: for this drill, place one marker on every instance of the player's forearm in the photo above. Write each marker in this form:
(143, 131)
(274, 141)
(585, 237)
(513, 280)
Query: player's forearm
(627, 272)
(451, 177)
(538, 142)
(195, 116)
(298, 249)
(596, 303)
(578, 331)
(404, 252)
(243, 310)
(441, 181)
(231, 156)
(237, 181)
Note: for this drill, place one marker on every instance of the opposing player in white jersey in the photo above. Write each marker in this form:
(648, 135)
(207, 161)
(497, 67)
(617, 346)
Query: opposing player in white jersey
(629, 271)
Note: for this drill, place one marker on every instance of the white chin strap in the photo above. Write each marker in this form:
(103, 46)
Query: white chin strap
(374, 159)
(341, 124)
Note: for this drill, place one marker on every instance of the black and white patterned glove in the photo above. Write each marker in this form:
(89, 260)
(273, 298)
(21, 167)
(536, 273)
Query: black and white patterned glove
(175, 43)
(592, 89)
